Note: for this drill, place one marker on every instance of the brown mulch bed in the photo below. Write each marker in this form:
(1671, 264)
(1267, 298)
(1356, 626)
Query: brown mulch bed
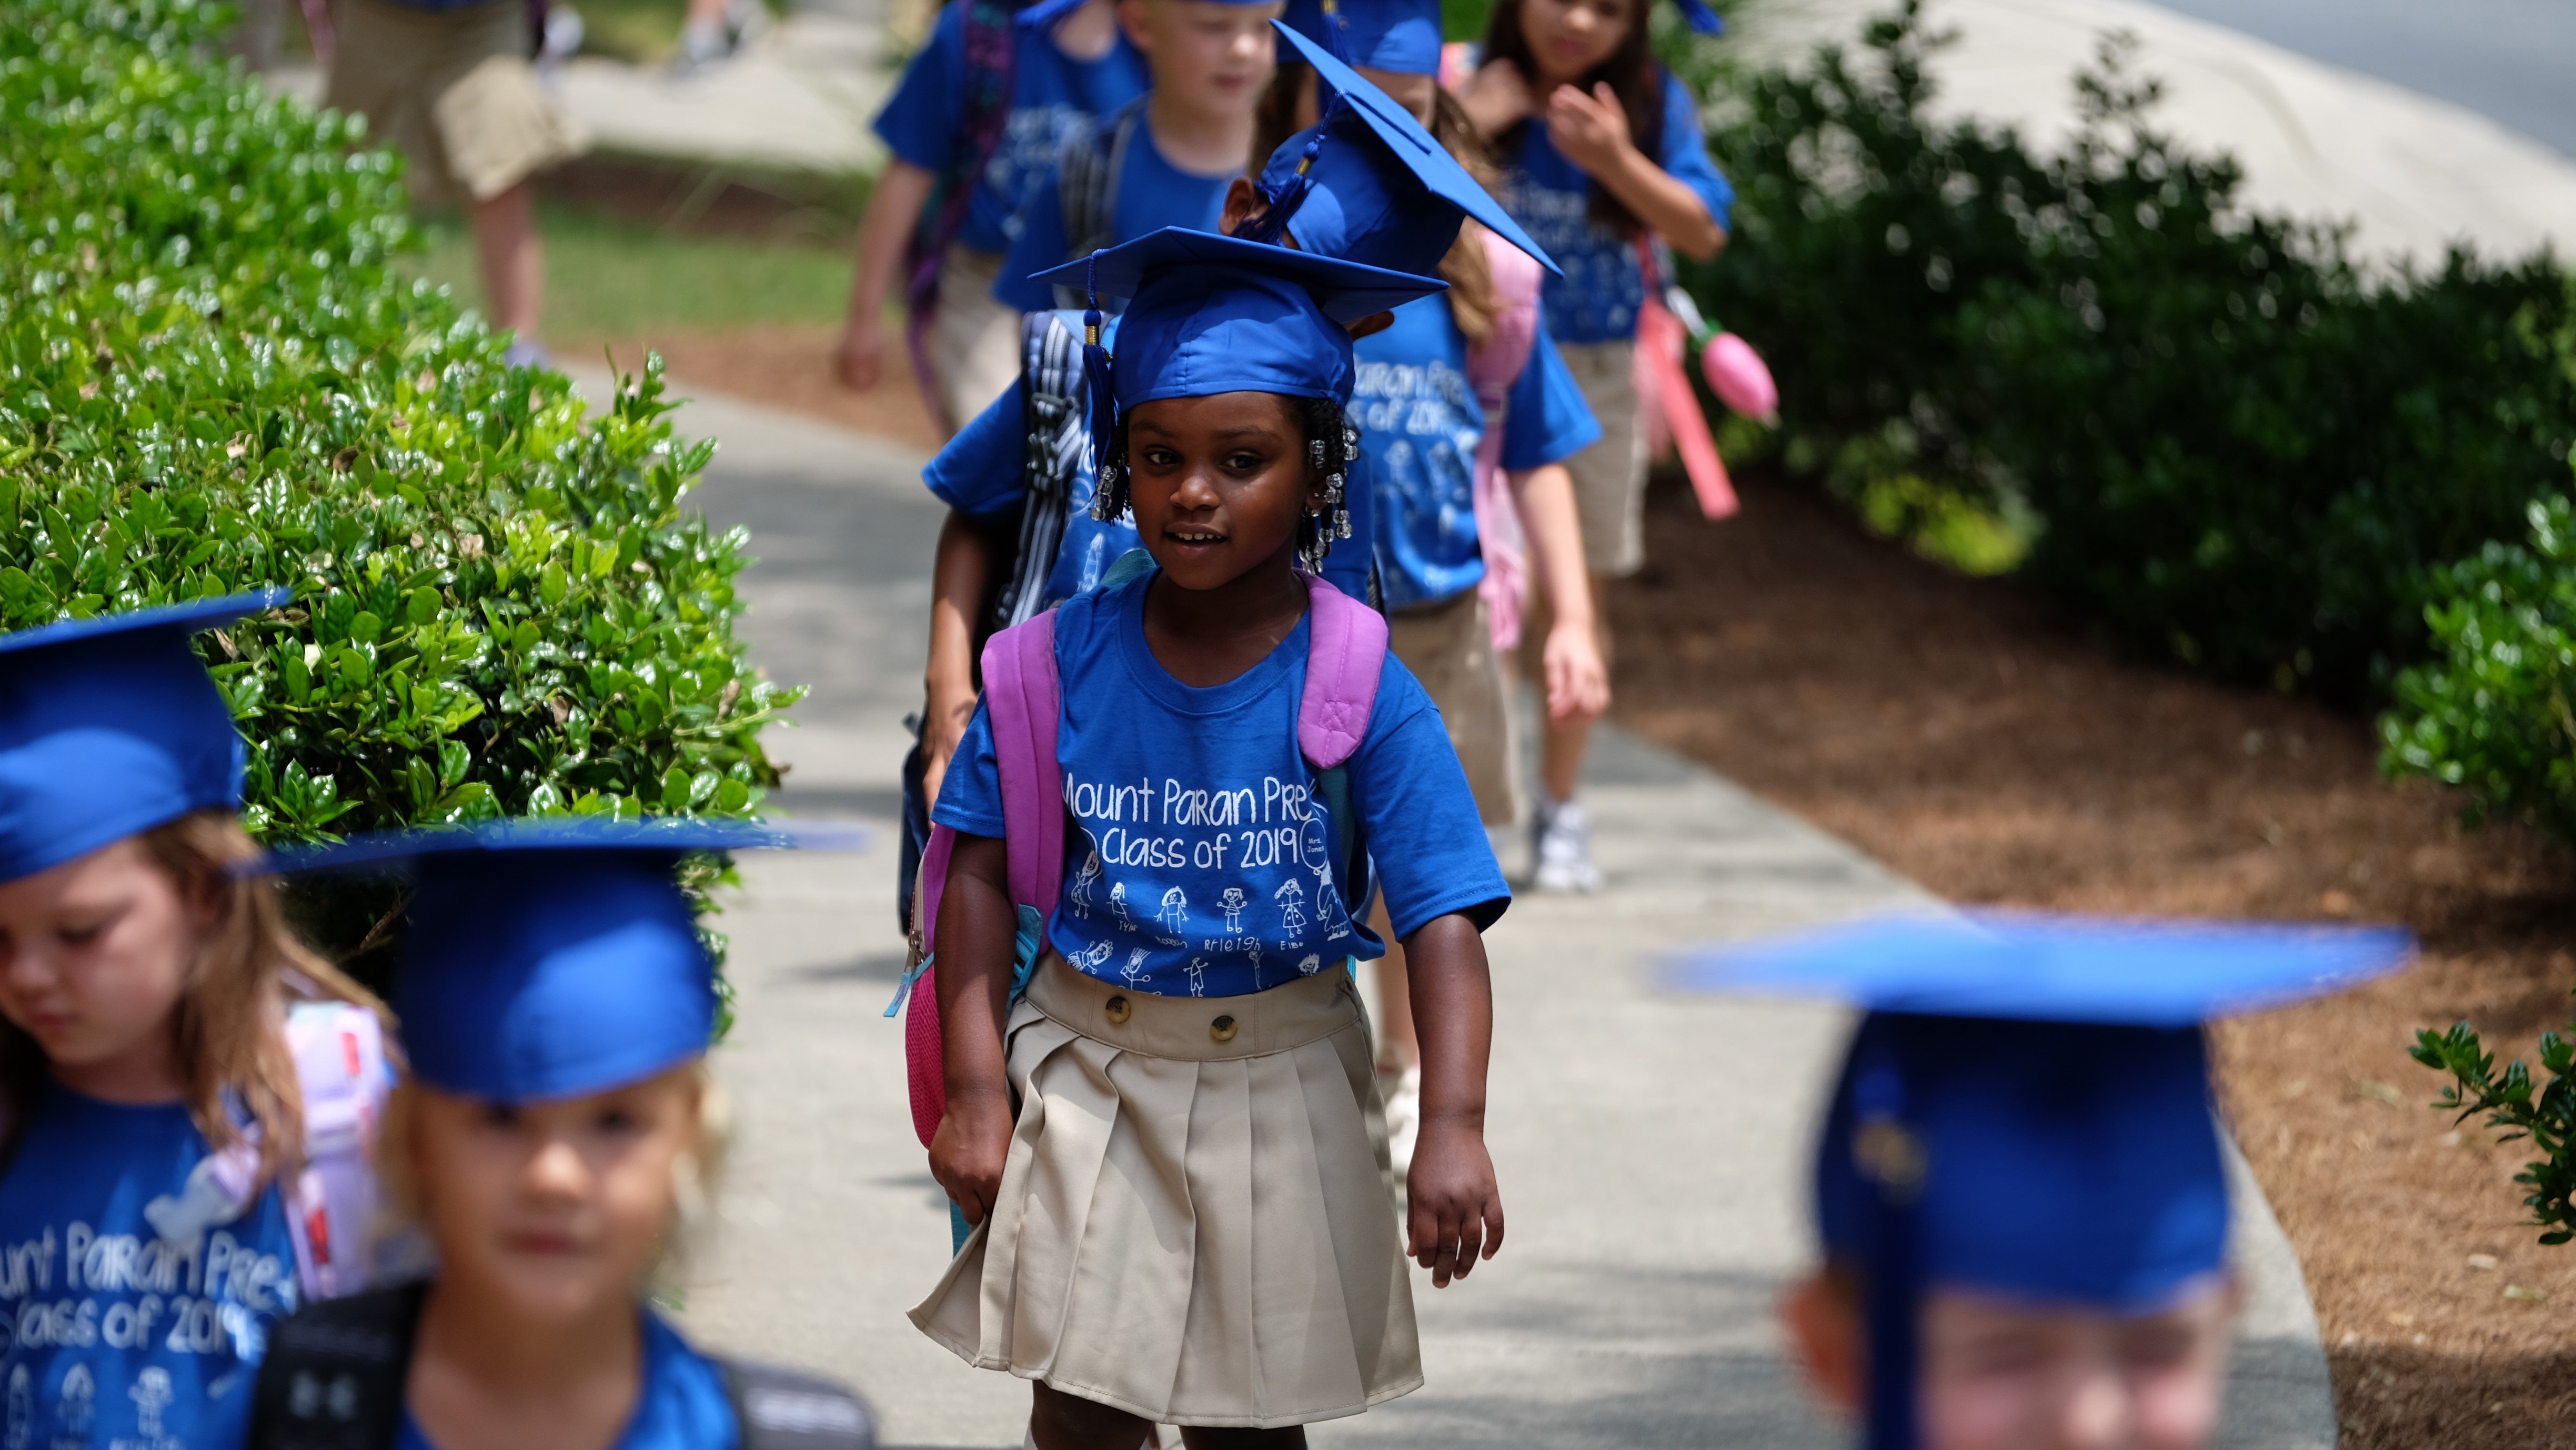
(1955, 730)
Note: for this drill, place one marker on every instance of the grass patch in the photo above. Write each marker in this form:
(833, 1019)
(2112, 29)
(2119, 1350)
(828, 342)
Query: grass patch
(608, 278)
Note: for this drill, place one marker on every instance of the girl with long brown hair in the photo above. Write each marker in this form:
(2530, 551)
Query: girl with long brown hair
(164, 1195)
(1601, 151)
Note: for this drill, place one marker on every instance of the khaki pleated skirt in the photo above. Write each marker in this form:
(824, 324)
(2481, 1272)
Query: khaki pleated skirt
(1193, 1223)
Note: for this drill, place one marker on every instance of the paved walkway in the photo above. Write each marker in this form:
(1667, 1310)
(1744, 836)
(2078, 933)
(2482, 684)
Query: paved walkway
(1651, 1149)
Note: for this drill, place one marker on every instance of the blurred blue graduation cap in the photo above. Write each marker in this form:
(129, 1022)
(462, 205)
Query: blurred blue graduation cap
(2024, 1108)
(1392, 35)
(111, 725)
(553, 957)
(1211, 314)
(1699, 17)
(1047, 12)
(1368, 183)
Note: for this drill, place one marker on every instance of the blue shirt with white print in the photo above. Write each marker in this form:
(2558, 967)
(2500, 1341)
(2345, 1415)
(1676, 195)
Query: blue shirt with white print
(682, 1405)
(1052, 94)
(1203, 859)
(1603, 289)
(133, 1310)
(1420, 424)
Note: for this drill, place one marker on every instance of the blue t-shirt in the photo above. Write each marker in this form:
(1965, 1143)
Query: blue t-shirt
(1149, 195)
(1420, 425)
(1598, 298)
(115, 1334)
(924, 121)
(683, 1407)
(1204, 863)
(979, 473)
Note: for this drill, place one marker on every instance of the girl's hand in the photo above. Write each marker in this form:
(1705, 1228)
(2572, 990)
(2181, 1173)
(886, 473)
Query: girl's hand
(859, 360)
(1591, 130)
(1454, 1211)
(1578, 684)
(968, 1150)
(1496, 97)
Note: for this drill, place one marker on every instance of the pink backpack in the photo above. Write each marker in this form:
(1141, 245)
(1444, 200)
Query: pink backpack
(1492, 367)
(1345, 654)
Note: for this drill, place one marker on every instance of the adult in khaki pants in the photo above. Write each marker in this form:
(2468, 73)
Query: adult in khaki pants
(451, 87)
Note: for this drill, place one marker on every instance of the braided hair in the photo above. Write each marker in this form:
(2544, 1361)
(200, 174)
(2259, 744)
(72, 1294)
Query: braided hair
(1332, 446)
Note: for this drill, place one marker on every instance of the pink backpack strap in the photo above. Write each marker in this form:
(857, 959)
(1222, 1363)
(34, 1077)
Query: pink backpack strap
(1024, 702)
(1345, 655)
(1492, 367)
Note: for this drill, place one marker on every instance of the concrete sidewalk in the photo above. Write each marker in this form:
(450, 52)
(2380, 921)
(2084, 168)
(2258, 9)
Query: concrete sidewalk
(1652, 1150)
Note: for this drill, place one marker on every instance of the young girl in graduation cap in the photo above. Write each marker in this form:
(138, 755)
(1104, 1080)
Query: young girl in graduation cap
(1601, 147)
(1382, 179)
(556, 1129)
(184, 1088)
(2020, 1186)
(1163, 1141)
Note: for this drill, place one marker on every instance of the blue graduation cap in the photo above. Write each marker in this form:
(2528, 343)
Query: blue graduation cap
(1044, 13)
(1213, 314)
(1367, 183)
(2024, 1108)
(1699, 17)
(1392, 35)
(111, 725)
(552, 957)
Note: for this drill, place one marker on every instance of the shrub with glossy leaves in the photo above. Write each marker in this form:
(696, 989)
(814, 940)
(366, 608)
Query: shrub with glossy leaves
(2494, 711)
(211, 378)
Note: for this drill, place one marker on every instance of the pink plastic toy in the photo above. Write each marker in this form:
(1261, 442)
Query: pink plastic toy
(1736, 373)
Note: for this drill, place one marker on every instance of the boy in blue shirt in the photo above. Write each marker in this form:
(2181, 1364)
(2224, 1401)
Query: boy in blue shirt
(1162, 160)
(2020, 1185)
(974, 127)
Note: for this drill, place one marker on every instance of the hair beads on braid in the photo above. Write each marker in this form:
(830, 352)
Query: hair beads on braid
(1332, 446)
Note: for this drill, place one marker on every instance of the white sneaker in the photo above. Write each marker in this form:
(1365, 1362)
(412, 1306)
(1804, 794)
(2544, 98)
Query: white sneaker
(1403, 1117)
(1564, 849)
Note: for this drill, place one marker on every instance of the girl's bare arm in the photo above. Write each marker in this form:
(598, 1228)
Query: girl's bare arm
(1577, 685)
(958, 573)
(894, 209)
(1454, 1210)
(1592, 131)
(973, 978)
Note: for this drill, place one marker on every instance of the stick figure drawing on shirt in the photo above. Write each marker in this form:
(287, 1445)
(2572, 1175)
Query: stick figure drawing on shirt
(1079, 893)
(1134, 971)
(1291, 897)
(1310, 965)
(1092, 958)
(151, 1393)
(1313, 844)
(22, 1409)
(1118, 905)
(77, 1407)
(1232, 901)
(1198, 976)
(1175, 916)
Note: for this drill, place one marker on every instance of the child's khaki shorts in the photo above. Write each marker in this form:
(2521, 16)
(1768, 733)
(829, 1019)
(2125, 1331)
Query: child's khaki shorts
(453, 91)
(975, 339)
(1609, 476)
(1449, 646)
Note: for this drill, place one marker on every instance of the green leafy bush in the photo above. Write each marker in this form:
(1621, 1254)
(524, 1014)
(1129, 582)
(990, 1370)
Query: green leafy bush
(2494, 711)
(212, 379)
(2517, 1110)
(2240, 451)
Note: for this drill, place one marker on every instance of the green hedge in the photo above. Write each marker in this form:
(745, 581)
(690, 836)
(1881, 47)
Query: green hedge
(212, 377)
(2237, 449)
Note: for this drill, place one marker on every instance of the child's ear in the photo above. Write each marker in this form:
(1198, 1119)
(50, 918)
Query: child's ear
(1375, 322)
(1131, 19)
(1242, 206)
(1823, 1321)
